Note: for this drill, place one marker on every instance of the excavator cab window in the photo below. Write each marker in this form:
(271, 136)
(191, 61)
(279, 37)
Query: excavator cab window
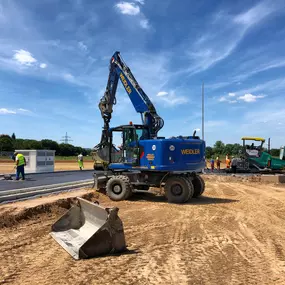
(142, 134)
(130, 146)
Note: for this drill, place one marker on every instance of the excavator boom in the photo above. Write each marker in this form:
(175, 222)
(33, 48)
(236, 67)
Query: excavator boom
(141, 102)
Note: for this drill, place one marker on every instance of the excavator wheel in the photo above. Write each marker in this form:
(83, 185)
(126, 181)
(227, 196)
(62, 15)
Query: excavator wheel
(199, 186)
(178, 189)
(191, 190)
(119, 188)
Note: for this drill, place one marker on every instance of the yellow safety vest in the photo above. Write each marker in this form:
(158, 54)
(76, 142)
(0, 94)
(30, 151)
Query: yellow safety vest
(21, 159)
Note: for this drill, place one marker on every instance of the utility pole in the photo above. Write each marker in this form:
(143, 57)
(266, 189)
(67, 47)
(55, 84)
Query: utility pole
(203, 111)
(269, 145)
(66, 139)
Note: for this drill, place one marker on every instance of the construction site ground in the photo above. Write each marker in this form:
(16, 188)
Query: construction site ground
(7, 166)
(234, 234)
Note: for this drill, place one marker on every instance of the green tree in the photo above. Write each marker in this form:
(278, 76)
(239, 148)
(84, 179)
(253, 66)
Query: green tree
(275, 152)
(209, 152)
(32, 144)
(219, 147)
(13, 136)
(66, 149)
(6, 143)
(236, 149)
(228, 149)
(50, 144)
(18, 143)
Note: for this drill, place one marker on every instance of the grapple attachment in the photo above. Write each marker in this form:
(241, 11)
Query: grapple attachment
(88, 230)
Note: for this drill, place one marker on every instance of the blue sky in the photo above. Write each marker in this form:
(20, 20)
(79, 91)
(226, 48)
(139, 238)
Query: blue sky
(54, 60)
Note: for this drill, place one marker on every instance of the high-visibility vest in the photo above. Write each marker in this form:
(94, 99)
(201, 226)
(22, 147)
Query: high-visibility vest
(21, 159)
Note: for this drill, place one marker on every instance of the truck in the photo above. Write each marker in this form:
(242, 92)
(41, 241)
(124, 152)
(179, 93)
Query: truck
(144, 159)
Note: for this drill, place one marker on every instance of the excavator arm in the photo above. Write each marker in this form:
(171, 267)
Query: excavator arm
(141, 102)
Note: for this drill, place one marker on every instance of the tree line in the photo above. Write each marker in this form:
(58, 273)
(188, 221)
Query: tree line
(11, 143)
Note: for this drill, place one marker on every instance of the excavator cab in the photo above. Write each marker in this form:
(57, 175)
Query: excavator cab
(131, 134)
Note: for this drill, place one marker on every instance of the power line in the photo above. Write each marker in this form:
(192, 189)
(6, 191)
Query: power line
(66, 139)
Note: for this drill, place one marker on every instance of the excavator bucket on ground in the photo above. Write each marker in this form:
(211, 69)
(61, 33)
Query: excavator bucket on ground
(87, 230)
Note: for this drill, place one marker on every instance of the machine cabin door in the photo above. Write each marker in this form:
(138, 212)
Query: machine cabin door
(130, 146)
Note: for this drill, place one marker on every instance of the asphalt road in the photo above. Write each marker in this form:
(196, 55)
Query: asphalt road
(33, 180)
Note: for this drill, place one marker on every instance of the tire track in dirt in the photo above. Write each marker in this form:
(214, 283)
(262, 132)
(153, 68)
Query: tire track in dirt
(233, 235)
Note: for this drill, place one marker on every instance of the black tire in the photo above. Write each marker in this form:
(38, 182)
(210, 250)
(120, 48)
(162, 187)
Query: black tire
(199, 186)
(191, 190)
(119, 188)
(178, 189)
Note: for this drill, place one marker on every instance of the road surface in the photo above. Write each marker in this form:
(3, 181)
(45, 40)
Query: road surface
(41, 179)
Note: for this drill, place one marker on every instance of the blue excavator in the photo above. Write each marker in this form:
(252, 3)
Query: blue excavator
(144, 159)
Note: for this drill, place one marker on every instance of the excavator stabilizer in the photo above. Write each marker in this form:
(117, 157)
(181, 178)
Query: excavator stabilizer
(87, 230)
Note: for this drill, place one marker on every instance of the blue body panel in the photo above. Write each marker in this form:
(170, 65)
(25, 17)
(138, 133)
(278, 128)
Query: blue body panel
(169, 155)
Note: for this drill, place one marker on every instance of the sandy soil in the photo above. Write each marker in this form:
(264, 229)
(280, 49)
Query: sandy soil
(8, 167)
(234, 234)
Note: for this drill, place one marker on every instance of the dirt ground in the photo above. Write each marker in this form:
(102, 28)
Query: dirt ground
(8, 167)
(234, 234)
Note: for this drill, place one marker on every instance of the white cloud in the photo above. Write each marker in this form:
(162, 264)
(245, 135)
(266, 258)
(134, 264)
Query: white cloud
(128, 8)
(223, 35)
(23, 110)
(140, 1)
(161, 93)
(228, 98)
(68, 76)
(82, 46)
(250, 97)
(5, 111)
(172, 99)
(223, 99)
(144, 23)
(24, 57)
(255, 14)
(43, 65)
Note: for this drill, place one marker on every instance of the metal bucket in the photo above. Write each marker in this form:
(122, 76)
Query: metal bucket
(87, 230)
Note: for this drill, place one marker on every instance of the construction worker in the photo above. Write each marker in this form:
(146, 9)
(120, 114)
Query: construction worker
(218, 163)
(228, 161)
(20, 165)
(80, 161)
(212, 162)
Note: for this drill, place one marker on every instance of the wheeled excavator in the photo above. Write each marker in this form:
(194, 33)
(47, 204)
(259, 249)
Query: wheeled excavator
(145, 159)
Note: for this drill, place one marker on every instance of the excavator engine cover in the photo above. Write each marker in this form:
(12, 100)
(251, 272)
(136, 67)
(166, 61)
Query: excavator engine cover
(87, 230)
